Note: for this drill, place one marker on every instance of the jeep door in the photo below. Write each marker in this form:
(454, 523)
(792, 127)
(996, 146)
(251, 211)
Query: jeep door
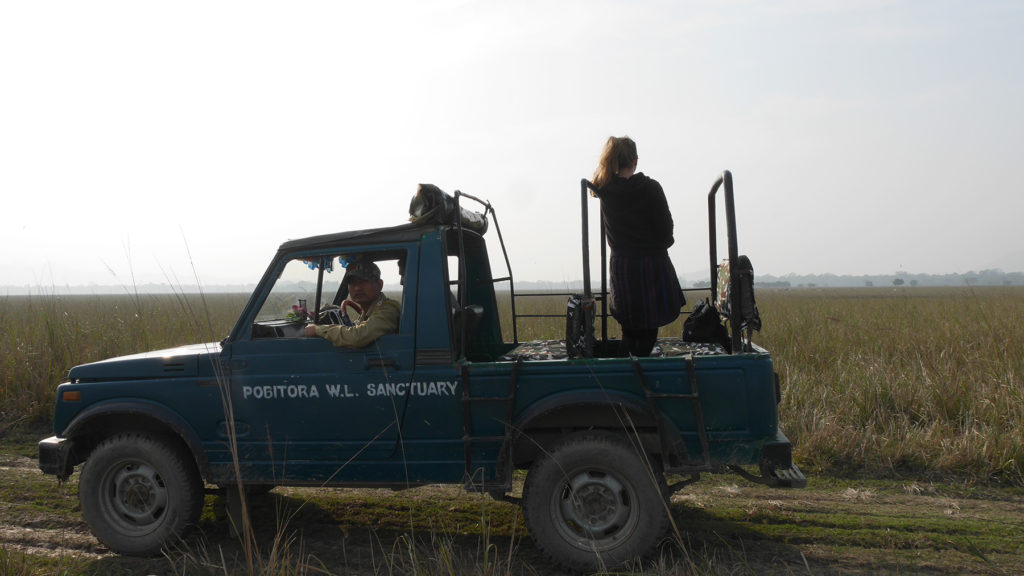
(306, 410)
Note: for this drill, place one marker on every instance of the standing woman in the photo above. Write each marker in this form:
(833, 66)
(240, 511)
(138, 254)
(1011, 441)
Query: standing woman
(645, 292)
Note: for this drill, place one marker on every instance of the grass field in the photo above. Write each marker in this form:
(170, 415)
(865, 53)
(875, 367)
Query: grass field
(905, 407)
(924, 383)
(920, 383)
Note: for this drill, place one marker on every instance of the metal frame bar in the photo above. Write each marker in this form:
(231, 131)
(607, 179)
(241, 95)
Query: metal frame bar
(585, 218)
(725, 182)
(488, 209)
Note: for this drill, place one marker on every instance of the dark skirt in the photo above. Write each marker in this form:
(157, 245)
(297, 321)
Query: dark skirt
(645, 291)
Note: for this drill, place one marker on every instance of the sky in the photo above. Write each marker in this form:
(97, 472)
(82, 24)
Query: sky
(176, 142)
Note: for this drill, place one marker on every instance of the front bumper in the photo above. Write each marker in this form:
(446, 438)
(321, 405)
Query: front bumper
(55, 456)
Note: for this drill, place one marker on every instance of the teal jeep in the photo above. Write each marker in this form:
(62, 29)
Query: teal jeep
(605, 439)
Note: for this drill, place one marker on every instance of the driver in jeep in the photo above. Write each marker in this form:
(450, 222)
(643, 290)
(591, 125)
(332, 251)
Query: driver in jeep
(376, 314)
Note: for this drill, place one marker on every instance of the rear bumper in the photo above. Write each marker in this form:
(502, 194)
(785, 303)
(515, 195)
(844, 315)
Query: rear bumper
(777, 464)
(790, 477)
(55, 456)
(778, 452)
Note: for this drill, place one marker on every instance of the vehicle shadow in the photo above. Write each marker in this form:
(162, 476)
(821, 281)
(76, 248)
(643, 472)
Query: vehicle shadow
(706, 542)
(348, 531)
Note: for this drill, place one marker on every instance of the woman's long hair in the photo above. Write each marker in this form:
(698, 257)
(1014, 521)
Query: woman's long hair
(618, 152)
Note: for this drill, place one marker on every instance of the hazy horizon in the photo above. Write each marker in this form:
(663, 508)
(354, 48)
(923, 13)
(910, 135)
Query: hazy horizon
(689, 281)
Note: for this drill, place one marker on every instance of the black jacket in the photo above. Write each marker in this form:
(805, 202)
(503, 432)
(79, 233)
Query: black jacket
(636, 217)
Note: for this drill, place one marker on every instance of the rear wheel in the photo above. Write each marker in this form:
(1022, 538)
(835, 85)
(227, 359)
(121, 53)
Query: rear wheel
(139, 492)
(593, 503)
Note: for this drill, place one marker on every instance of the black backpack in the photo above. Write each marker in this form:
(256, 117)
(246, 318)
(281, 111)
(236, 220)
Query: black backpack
(704, 325)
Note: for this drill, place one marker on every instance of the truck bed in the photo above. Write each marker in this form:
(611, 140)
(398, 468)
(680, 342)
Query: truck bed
(556, 350)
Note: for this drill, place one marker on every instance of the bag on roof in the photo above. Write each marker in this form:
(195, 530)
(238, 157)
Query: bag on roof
(431, 205)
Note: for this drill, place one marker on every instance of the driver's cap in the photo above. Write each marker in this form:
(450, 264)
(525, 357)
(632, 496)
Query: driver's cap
(363, 271)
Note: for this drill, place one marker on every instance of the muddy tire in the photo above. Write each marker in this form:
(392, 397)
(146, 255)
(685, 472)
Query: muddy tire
(592, 503)
(139, 493)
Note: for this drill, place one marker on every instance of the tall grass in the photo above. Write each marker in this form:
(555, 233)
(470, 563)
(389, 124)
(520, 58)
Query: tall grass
(43, 336)
(921, 382)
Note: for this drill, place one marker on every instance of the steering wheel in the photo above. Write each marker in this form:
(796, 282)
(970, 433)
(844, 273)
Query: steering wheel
(347, 305)
(339, 315)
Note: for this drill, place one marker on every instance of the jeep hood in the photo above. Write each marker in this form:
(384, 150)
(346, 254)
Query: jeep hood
(180, 362)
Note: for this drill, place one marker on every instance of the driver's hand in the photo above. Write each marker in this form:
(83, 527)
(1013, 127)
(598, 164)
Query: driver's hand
(310, 330)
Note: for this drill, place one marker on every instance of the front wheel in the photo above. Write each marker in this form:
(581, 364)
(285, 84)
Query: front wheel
(139, 492)
(593, 503)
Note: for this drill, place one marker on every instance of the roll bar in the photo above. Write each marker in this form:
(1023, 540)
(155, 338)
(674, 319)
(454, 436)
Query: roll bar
(488, 209)
(587, 293)
(725, 183)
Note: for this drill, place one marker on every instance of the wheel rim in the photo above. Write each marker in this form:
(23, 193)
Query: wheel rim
(134, 497)
(596, 510)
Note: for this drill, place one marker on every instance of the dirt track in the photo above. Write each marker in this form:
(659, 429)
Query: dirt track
(728, 527)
